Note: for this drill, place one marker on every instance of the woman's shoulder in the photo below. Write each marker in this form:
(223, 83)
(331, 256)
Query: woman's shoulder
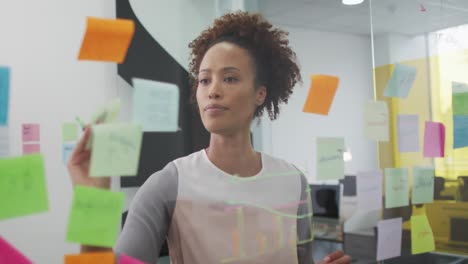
(278, 164)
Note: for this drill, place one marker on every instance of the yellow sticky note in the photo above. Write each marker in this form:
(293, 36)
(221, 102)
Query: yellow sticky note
(107, 39)
(422, 238)
(321, 94)
(91, 258)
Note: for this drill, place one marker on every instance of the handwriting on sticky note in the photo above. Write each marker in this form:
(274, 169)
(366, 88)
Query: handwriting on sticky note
(31, 148)
(31, 132)
(434, 139)
(116, 149)
(389, 238)
(422, 238)
(69, 132)
(330, 163)
(423, 185)
(369, 190)
(9, 254)
(396, 187)
(106, 39)
(22, 180)
(4, 94)
(91, 258)
(95, 216)
(108, 113)
(124, 259)
(460, 130)
(376, 122)
(67, 151)
(156, 105)
(408, 133)
(321, 94)
(401, 81)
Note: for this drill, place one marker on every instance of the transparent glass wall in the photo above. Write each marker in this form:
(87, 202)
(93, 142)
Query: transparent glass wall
(423, 46)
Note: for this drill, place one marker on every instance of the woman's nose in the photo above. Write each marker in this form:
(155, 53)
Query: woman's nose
(214, 92)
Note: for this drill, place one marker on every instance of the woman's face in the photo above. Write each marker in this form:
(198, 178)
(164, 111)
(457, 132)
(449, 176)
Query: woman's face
(226, 93)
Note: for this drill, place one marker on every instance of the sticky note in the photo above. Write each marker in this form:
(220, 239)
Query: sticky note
(108, 113)
(4, 94)
(4, 141)
(31, 132)
(69, 132)
(9, 254)
(369, 190)
(401, 81)
(434, 139)
(156, 105)
(31, 148)
(91, 258)
(330, 163)
(460, 131)
(459, 98)
(389, 234)
(106, 39)
(408, 133)
(396, 187)
(321, 94)
(22, 186)
(95, 216)
(376, 122)
(423, 185)
(67, 151)
(422, 238)
(124, 259)
(116, 149)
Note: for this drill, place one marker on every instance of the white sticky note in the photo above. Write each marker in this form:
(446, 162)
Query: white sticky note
(369, 190)
(156, 105)
(389, 238)
(376, 121)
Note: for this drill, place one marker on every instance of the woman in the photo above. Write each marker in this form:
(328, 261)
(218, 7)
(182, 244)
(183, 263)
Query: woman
(227, 203)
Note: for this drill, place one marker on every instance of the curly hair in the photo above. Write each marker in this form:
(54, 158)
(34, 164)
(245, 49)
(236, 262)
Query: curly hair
(275, 62)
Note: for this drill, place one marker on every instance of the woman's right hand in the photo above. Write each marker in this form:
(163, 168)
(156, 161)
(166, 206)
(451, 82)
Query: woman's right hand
(78, 166)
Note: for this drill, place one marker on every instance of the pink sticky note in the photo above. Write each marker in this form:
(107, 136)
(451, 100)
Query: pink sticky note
(124, 259)
(434, 139)
(31, 132)
(31, 148)
(8, 254)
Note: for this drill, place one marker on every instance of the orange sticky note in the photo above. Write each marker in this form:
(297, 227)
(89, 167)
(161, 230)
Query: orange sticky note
(91, 258)
(107, 39)
(321, 93)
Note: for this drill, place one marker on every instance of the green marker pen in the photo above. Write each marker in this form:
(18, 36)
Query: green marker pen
(80, 123)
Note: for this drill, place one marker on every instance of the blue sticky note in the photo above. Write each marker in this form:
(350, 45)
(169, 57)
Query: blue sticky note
(67, 150)
(4, 94)
(156, 105)
(460, 131)
(401, 81)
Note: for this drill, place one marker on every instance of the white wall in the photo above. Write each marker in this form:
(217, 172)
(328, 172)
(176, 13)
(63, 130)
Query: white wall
(348, 57)
(40, 41)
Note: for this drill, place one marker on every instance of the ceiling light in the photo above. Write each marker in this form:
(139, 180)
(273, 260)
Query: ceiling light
(352, 2)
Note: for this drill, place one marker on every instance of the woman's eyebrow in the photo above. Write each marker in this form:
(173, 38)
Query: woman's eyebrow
(224, 69)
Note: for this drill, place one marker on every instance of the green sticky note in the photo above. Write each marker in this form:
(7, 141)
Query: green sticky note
(422, 238)
(396, 187)
(23, 188)
(156, 105)
(95, 216)
(109, 113)
(116, 149)
(459, 98)
(69, 132)
(330, 163)
(423, 185)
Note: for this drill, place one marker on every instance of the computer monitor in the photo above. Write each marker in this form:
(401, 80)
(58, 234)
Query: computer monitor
(325, 200)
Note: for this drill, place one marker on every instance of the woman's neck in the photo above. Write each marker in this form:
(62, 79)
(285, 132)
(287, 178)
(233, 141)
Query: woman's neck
(234, 154)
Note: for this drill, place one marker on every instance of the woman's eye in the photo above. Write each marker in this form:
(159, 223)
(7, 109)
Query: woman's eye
(203, 81)
(230, 79)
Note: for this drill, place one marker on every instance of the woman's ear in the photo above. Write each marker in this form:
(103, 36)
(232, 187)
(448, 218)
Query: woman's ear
(260, 95)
